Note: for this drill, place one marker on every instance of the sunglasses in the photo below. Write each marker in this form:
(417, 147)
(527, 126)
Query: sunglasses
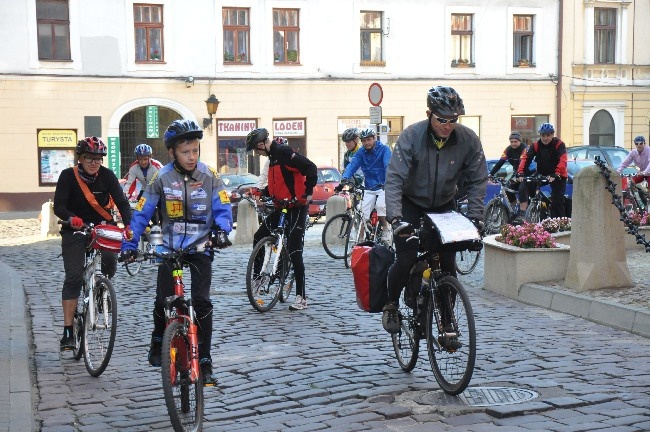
(445, 121)
(639, 143)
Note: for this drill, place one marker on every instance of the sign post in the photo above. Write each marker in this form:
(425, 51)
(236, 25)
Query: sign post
(375, 96)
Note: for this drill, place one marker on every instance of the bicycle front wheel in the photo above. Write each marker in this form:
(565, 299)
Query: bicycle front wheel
(496, 215)
(533, 212)
(335, 234)
(451, 336)
(466, 261)
(183, 395)
(356, 235)
(407, 342)
(100, 325)
(263, 285)
(78, 335)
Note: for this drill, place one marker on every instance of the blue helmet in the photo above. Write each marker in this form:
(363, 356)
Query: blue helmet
(546, 128)
(365, 133)
(180, 130)
(639, 140)
(143, 150)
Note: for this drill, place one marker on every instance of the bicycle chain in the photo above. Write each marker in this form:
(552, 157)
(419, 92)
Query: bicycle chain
(616, 201)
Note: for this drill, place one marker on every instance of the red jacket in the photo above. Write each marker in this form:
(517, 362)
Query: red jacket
(551, 158)
(291, 175)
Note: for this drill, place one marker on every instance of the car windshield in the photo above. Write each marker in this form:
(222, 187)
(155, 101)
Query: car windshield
(234, 180)
(617, 156)
(576, 165)
(328, 175)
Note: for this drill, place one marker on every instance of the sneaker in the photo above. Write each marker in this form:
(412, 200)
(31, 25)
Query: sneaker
(155, 351)
(67, 341)
(209, 378)
(390, 318)
(299, 304)
(387, 236)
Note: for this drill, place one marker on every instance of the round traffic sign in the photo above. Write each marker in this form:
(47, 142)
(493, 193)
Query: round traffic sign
(375, 94)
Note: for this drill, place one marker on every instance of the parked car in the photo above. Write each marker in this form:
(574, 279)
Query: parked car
(236, 185)
(612, 155)
(328, 179)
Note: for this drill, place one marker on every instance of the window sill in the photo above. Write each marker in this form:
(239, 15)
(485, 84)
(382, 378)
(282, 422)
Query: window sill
(373, 63)
(154, 62)
(529, 65)
(234, 63)
(277, 63)
(463, 65)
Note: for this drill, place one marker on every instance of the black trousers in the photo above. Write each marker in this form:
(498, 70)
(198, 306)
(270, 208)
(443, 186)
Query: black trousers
(200, 267)
(558, 189)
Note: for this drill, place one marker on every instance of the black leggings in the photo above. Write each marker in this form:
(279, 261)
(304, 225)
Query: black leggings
(295, 230)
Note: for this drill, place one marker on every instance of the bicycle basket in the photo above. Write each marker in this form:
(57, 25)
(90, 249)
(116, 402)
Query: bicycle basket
(107, 238)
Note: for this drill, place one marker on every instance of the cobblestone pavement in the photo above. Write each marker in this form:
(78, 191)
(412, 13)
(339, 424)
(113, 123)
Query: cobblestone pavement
(332, 366)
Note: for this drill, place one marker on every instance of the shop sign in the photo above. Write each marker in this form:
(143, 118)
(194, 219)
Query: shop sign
(57, 138)
(113, 162)
(152, 122)
(346, 123)
(235, 127)
(288, 128)
(523, 123)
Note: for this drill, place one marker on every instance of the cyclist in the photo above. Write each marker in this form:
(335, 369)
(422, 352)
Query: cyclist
(194, 205)
(512, 155)
(352, 143)
(640, 156)
(142, 169)
(85, 194)
(550, 154)
(429, 159)
(372, 160)
(291, 175)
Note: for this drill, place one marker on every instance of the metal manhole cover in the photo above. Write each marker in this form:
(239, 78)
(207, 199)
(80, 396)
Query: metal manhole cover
(480, 397)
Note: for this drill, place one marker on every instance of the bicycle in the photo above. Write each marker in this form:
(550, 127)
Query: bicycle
(95, 320)
(634, 198)
(499, 210)
(466, 260)
(269, 273)
(539, 207)
(436, 307)
(182, 379)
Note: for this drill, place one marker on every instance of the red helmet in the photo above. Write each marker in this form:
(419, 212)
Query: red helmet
(92, 145)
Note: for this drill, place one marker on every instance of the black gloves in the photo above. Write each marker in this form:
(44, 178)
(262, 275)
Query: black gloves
(220, 239)
(339, 188)
(401, 228)
(128, 255)
(479, 225)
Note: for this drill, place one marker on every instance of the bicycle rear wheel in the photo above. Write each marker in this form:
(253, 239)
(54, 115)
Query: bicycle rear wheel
(466, 261)
(452, 367)
(99, 333)
(263, 286)
(407, 342)
(496, 215)
(335, 233)
(78, 335)
(356, 235)
(183, 396)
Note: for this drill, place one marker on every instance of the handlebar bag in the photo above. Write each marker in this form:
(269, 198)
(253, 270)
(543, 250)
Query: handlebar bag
(107, 238)
(370, 265)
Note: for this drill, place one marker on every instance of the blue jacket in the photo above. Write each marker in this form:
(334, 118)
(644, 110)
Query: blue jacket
(189, 204)
(373, 163)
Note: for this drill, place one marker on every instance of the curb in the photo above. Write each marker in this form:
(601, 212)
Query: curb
(18, 402)
(629, 318)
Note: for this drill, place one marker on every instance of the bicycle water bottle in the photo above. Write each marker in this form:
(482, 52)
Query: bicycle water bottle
(156, 242)
(426, 276)
(374, 218)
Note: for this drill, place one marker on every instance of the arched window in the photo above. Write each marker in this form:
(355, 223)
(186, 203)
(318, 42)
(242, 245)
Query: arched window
(601, 129)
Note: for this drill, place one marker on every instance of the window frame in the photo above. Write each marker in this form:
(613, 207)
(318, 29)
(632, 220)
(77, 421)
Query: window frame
(517, 36)
(601, 33)
(53, 24)
(236, 29)
(371, 32)
(283, 60)
(456, 40)
(148, 26)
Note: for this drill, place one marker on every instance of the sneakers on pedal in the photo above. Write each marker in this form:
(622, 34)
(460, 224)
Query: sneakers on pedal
(299, 304)
(155, 351)
(387, 236)
(209, 377)
(390, 318)
(67, 341)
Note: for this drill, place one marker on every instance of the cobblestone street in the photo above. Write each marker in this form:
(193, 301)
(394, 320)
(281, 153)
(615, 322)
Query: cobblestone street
(332, 366)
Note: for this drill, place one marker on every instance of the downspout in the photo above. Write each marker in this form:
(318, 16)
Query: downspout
(558, 95)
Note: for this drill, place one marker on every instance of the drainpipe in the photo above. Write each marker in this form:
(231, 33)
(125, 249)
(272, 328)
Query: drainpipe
(558, 95)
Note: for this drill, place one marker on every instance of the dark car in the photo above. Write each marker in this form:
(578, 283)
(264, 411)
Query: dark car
(328, 179)
(236, 185)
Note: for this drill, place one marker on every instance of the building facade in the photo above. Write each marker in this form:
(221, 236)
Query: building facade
(303, 69)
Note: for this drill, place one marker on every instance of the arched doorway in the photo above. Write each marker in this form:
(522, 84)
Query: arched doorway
(602, 129)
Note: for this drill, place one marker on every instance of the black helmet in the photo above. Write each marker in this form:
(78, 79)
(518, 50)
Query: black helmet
(180, 130)
(92, 145)
(255, 137)
(445, 101)
(350, 134)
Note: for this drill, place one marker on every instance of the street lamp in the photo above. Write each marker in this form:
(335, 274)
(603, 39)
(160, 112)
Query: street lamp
(212, 104)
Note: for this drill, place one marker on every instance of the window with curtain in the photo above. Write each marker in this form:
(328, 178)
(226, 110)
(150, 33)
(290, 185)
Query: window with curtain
(53, 29)
(461, 40)
(148, 21)
(604, 35)
(371, 39)
(286, 29)
(523, 38)
(236, 35)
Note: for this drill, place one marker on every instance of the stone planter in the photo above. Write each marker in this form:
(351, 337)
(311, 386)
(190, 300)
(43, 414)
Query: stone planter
(562, 237)
(508, 267)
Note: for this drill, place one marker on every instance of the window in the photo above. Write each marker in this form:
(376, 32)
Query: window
(601, 129)
(604, 35)
(286, 29)
(371, 39)
(528, 125)
(461, 40)
(236, 35)
(53, 23)
(522, 29)
(148, 33)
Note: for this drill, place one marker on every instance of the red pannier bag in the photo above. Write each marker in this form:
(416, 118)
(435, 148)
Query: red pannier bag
(370, 264)
(107, 238)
